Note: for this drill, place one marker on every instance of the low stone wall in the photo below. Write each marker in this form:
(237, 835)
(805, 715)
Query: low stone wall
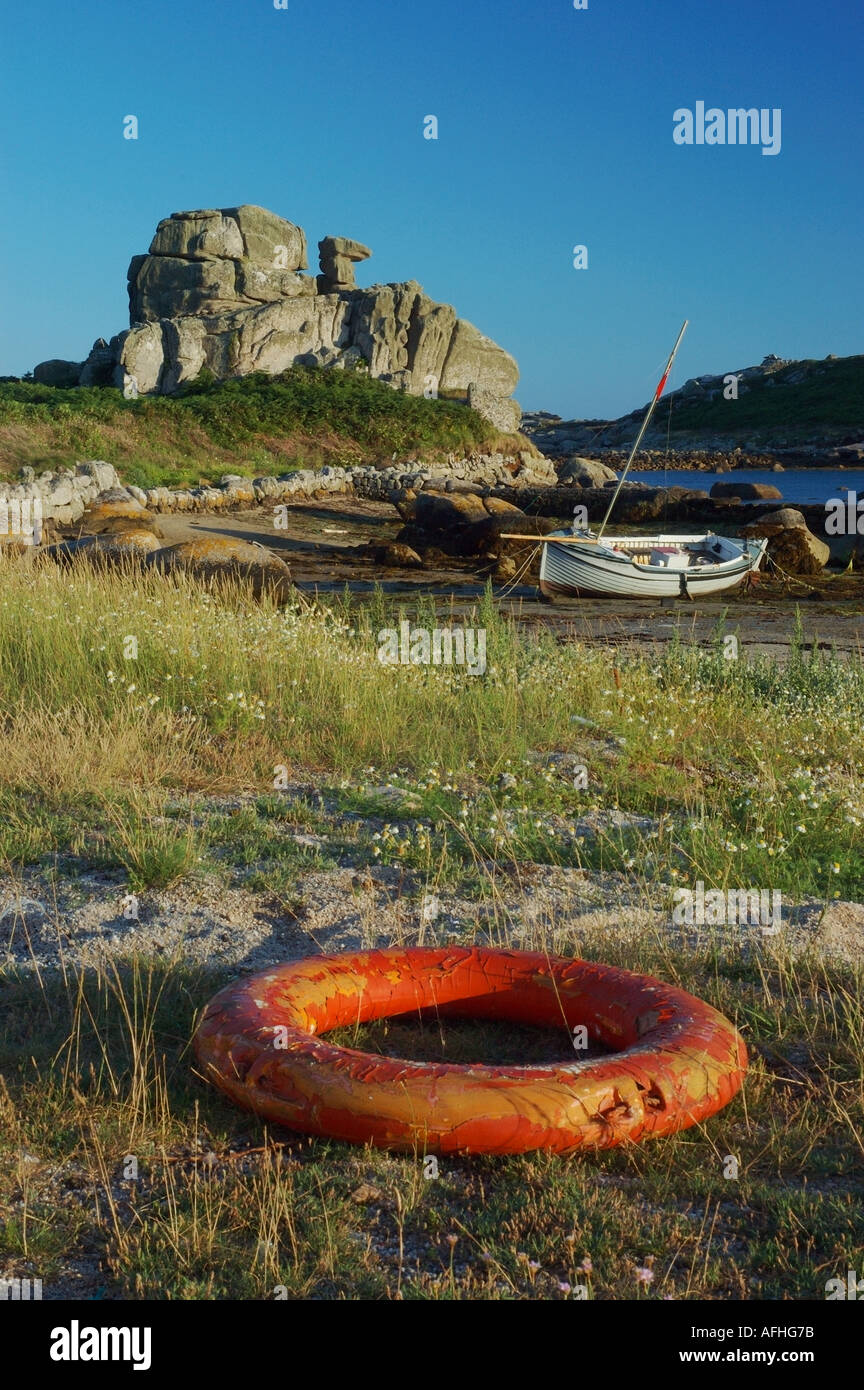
(375, 484)
(64, 494)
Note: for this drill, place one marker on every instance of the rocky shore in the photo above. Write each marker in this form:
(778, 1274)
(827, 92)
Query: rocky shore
(461, 517)
(563, 440)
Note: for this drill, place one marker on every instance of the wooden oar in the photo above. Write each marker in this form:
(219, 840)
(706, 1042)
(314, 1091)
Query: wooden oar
(554, 540)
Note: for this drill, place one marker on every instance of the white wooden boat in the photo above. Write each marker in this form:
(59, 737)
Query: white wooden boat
(576, 563)
(658, 566)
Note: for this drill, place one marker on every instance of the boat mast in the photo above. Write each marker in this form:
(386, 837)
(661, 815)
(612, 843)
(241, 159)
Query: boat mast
(657, 394)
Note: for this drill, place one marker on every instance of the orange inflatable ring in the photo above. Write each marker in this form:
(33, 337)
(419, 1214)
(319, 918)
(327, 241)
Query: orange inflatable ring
(678, 1060)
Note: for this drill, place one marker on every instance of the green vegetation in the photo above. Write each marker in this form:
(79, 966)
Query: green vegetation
(830, 398)
(744, 768)
(259, 423)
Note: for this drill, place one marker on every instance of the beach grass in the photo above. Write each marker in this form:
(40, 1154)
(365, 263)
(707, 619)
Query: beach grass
(185, 761)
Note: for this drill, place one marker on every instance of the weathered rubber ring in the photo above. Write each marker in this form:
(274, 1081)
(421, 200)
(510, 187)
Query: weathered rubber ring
(677, 1060)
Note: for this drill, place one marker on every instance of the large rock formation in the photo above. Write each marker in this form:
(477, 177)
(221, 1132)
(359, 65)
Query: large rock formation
(223, 289)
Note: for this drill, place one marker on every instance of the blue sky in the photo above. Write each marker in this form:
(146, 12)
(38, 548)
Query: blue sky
(555, 129)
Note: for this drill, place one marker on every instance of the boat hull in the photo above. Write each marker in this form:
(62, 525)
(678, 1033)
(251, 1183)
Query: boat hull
(577, 571)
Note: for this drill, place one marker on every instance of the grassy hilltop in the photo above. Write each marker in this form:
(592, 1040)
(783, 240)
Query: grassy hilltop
(792, 401)
(259, 423)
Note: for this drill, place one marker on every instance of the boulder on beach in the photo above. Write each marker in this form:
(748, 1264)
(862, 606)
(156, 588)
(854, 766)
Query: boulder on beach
(496, 506)
(134, 544)
(397, 556)
(439, 511)
(791, 545)
(118, 514)
(222, 559)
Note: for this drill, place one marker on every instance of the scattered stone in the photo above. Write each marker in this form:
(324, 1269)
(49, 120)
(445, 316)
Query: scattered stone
(841, 929)
(430, 910)
(21, 911)
(366, 1193)
(396, 797)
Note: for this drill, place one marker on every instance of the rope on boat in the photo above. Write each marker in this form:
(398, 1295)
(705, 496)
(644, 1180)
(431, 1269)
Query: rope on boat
(795, 579)
(508, 588)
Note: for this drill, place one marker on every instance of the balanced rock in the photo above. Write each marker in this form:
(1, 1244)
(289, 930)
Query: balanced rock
(223, 560)
(337, 256)
(214, 261)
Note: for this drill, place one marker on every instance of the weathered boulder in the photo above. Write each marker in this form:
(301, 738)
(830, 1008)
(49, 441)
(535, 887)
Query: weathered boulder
(440, 511)
(117, 514)
(398, 556)
(121, 525)
(783, 519)
(463, 525)
(215, 260)
(57, 372)
(763, 492)
(496, 506)
(131, 546)
(501, 411)
(791, 544)
(585, 473)
(219, 559)
(472, 357)
(100, 367)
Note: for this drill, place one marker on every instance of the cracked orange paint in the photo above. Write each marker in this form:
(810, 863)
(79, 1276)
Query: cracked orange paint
(678, 1060)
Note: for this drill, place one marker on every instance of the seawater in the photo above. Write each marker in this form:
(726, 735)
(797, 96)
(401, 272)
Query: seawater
(813, 485)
